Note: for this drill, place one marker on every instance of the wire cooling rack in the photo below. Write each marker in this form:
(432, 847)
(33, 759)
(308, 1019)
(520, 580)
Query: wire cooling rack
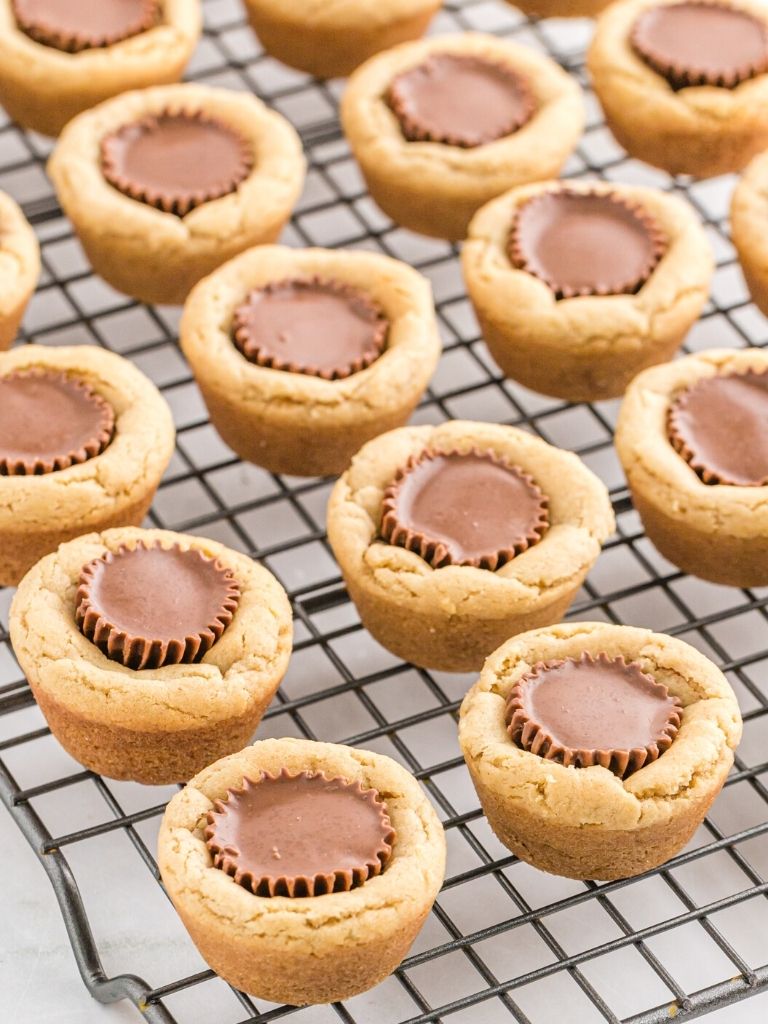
(504, 942)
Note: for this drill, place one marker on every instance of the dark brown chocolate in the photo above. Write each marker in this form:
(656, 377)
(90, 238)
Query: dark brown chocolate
(702, 43)
(460, 100)
(300, 835)
(463, 508)
(585, 243)
(315, 326)
(75, 25)
(176, 160)
(150, 606)
(49, 421)
(593, 711)
(720, 427)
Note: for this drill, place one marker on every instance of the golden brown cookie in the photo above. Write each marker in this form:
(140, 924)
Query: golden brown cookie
(163, 185)
(19, 268)
(58, 59)
(150, 689)
(593, 816)
(561, 8)
(749, 228)
(321, 946)
(442, 126)
(303, 355)
(463, 557)
(579, 286)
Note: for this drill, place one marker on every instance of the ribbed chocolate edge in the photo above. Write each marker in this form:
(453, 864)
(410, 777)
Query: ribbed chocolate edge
(74, 42)
(435, 552)
(140, 652)
(414, 132)
(166, 201)
(256, 354)
(681, 77)
(93, 447)
(533, 737)
(226, 859)
(683, 449)
(630, 287)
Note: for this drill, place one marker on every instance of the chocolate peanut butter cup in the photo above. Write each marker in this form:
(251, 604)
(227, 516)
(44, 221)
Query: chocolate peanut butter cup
(720, 427)
(150, 606)
(300, 835)
(75, 25)
(463, 508)
(49, 421)
(460, 100)
(702, 43)
(315, 326)
(593, 711)
(585, 243)
(176, 160)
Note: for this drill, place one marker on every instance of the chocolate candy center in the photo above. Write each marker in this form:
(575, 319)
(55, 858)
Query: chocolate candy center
(463, 509)
(702, 43)
(74, 25)
(49, 422)
(300, 835)
(720, 426)
(593, 711)
(176, 161)
(150, 606)
(460, 100)
(316, 327)
(582, 243)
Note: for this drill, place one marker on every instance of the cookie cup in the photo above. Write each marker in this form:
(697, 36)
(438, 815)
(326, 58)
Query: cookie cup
(19, 268)
(700, 130)
(43, 88)
(586, 822)
(316, 949)
(749, 228)
(333, 39)
(560, 8)
(115, 488)
(434, 188)
(716, 531)
(157, 725)
(294, 422)
(156, 256)
(452, 618)
(586, 348)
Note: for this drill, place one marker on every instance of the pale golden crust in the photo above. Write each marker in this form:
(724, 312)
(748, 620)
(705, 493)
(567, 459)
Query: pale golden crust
(749, 228)
(718, 532)
(19, 268)
(315, 949)
(294, 422)
(585, 348)
(157, 256)
(662, 799)
(452, 618)
(434, 188)
(43, 88)
(703, 130)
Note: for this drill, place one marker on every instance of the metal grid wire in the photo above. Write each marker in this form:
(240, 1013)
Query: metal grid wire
(504, 941)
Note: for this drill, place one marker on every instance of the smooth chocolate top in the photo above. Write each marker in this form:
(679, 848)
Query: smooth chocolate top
(460, 100)
(75, 25)
(586, 711)
(150, 606)
(49, 421)
(176, 161)
(702, 43)
(313, 326)
(300, 835)
(468, 508)
(720, 426)
(584, 243)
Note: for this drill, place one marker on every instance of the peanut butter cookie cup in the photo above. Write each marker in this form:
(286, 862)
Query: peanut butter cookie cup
(596, 750)
(150, 653)
(561, 8)
(19, 268)
(303, 871)
(749, 228)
